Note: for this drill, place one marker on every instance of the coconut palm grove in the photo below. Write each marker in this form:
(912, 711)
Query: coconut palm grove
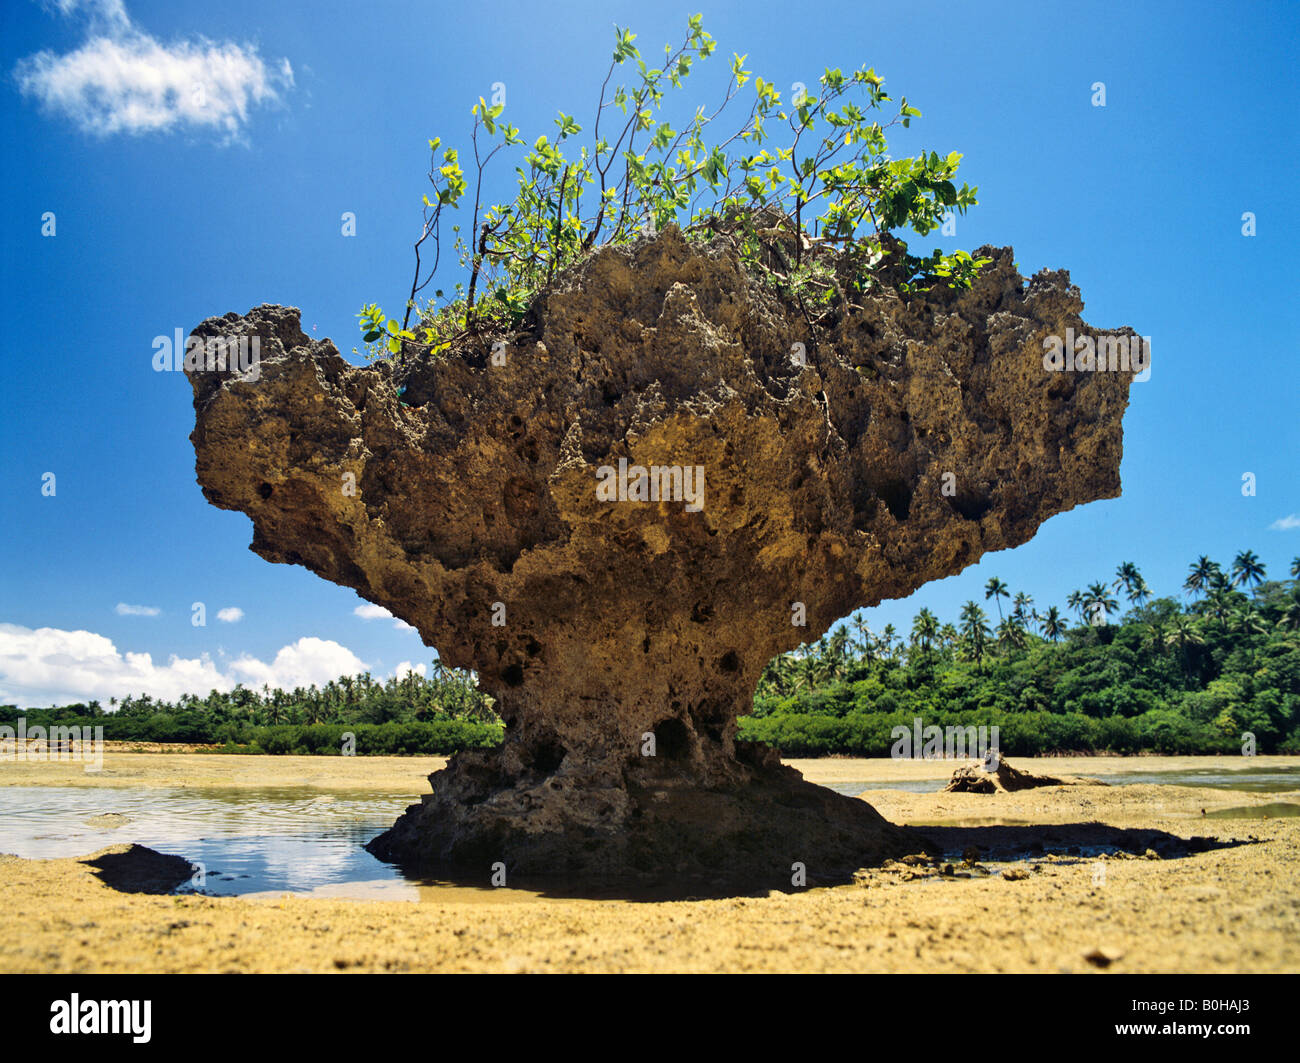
(1212, 668)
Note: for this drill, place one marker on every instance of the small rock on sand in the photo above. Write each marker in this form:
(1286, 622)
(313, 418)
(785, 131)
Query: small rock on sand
(108, 820)
(1103, 956)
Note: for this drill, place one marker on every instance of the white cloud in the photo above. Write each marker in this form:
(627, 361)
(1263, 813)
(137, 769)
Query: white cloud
(309, 660)
(122, 80)
(230, 615)
(406, 668)
(136, 610)
(45, 666)
(1291, 520)
(370, 611)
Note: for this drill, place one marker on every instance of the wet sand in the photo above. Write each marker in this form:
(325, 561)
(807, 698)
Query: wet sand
(234, 771)
(1226, 909)
(410, 774)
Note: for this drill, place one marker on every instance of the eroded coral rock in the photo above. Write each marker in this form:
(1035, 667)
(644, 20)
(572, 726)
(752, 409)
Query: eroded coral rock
(922, 432)
(983, 777)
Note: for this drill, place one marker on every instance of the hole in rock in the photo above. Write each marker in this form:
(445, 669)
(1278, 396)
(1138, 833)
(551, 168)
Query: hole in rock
(897, 497)
(264, 489)
(729, 662)
(533, 648)
(672, 739)
(547, 756)
(512, 675)
(971, 506)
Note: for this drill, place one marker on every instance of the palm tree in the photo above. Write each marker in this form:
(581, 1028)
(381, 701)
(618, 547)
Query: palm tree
(948, 636)
(887, 638)
(805, 669)
(1024, 610)
(1128, 577)
(865, 640)
(836, 652)
(997, 590)
(1184, 633)
(1053, 624)
(1074, 600)
(1246, 621)
(1154, 636)
(1011, 634)
(925, 629)
(1295, 568)
(1099, 603)
(1199, 575)
(1290, 618)
(1247, 569)
(975, 630)
(1218, 604)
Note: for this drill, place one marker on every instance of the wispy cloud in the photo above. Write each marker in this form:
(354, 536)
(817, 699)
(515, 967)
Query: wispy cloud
(123, 80)
(50, 666)
(1291, 520)
(136, 610)
(230, 615)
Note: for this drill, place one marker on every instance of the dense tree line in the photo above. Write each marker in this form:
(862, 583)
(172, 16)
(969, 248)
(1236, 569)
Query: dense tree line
(1168, 676)
(438, 714)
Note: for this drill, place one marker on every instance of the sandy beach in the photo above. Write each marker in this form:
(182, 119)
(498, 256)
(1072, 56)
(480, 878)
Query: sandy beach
(409, 774)
(1224, 895)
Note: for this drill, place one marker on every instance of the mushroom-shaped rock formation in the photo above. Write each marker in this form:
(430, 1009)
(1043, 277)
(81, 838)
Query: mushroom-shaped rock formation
(619, 516)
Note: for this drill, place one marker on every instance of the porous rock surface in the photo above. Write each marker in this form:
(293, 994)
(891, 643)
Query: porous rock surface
(999, 777)
(461, 495)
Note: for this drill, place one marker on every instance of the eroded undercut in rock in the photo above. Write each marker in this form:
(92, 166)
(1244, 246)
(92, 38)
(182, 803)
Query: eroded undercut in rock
(923, 432)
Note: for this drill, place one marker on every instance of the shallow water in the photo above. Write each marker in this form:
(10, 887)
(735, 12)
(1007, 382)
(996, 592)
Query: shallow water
(1273, 810)
(294, 840)
(304, 841)
(1251, 780)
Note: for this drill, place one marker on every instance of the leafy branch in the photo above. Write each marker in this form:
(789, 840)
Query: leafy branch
(795, 184)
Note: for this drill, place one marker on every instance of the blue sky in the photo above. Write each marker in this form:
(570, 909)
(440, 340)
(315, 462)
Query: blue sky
(165, 217)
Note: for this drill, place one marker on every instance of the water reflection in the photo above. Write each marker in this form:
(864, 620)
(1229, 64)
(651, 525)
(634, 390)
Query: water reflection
(299, 840)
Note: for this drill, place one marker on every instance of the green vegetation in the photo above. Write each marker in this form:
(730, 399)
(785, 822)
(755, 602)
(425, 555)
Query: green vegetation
(438, 715)
(1167, 678)
(796, 184)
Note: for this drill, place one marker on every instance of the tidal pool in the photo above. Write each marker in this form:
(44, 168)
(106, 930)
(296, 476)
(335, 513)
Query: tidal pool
(282, 840)
(302, 840)
(1253, 780)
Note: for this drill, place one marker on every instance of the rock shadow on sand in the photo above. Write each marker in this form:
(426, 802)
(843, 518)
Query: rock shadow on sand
(137, 869)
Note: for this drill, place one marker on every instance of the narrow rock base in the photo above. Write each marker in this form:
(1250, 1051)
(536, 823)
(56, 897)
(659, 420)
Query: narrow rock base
(764, 828)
